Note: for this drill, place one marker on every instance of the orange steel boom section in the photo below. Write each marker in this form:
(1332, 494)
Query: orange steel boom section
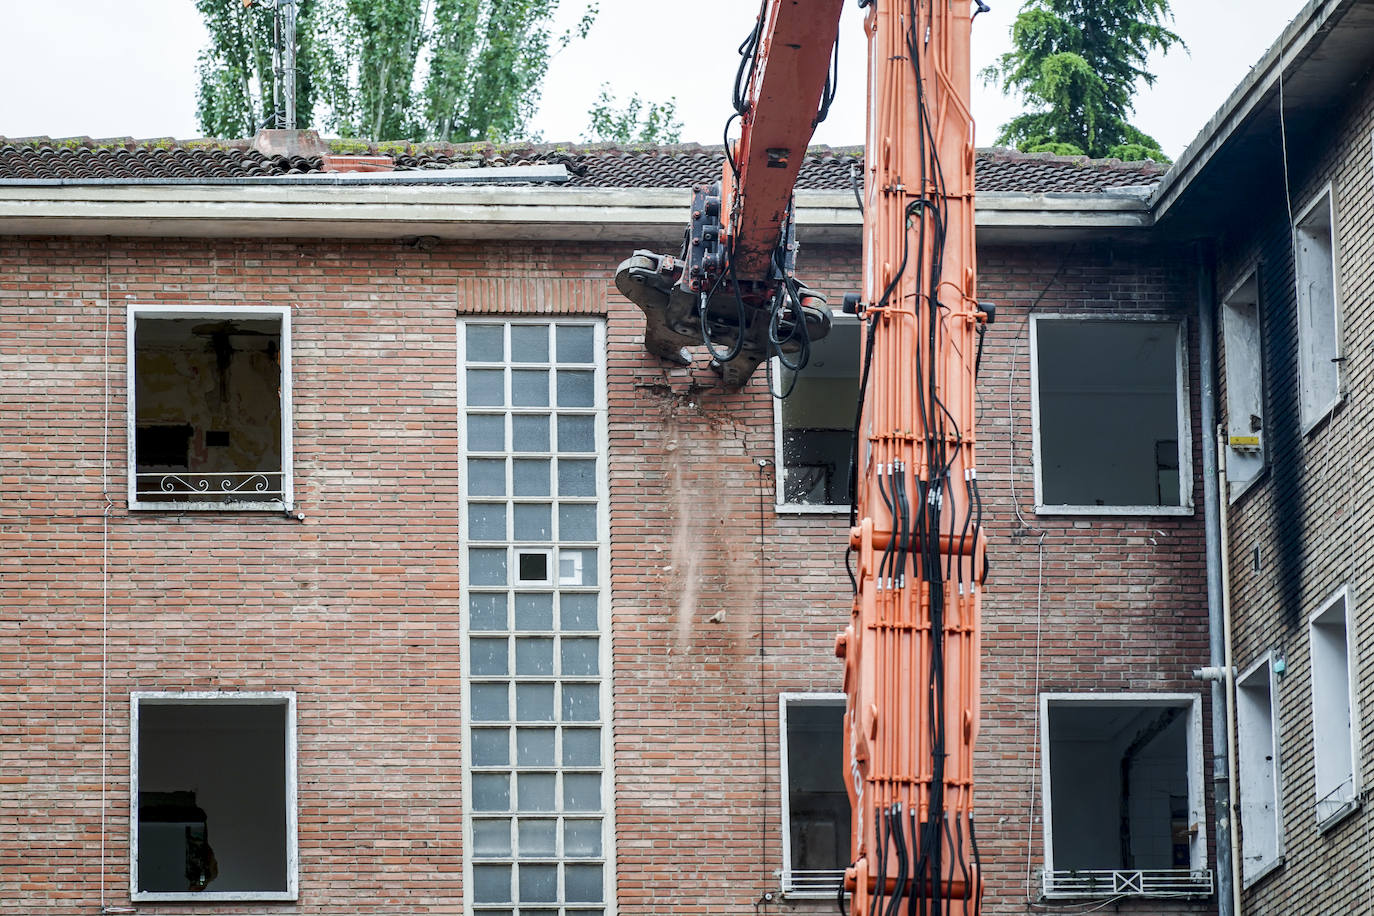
(911, 650)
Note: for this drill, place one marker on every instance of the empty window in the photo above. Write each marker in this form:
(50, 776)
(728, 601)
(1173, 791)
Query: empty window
(214, 807)
(815, 422)
(815, 813)
(1333, 732)
(1261, 828)
(1123, 795)
(1240, 322)
(1111, 431)
(209, 408)
(1319, 341)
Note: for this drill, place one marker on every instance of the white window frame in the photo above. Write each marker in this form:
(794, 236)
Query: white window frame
(1313, 416)
(1261, 670)
(1341, 596)
(280, 313)
(785, 784)
(780, 476)
(209, 698)
(1197, 792)
(609, 904)
(1243, 456)
(1183, 413)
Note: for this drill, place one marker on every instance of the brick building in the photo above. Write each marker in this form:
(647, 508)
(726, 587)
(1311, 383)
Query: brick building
(357, 558)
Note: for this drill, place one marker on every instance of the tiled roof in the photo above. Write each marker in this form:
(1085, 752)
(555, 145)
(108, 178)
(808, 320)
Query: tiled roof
(603, 166)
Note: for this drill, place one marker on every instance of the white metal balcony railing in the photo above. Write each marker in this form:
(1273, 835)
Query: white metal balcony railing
(1336, 802)
(213, 487)
(1132, 882)
(817, 882)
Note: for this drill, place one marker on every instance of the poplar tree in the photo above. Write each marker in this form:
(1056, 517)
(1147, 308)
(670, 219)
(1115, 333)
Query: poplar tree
(637, 121)
(456, 70)
(1075, 65)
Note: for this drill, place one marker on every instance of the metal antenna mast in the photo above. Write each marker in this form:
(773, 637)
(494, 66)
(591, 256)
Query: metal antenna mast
(284, 63)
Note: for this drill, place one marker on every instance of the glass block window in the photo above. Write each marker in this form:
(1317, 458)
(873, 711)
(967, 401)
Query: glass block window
(535, 547)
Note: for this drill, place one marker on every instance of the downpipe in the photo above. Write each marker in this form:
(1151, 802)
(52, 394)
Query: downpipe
(1229, 674)
(1216, 625)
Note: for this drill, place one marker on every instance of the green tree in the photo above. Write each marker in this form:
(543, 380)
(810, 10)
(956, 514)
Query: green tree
(456, 70)
(637, 121)
(234, 97)
(1075, 64)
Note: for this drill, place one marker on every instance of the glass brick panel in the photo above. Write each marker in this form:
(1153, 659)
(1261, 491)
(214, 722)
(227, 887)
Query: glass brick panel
(534, 747)
(582, 791)
(530, 433)
(529, 387)
(534, 655)
(578, 612)
(534, 521)
(490, 792)
(576, 388)
(577, 521)
(490, 702)
(486, 387)
(491, 838)
(538, 883)
(531, 476)
(534, 612)
(491, 883)
(487, 611)
(576, 433)
(576, 477)
(536, 791)
(486, 343)
(582, 839)
(486, 433)
(486, 567)
(488, 657)
(486, 477)
(529, 343)
(579, 657)
(582, 883)
(538, 836)
(582, 747)
(487, 521)
(490, 747)
(576, 344)
(534, 702)
(581, 703)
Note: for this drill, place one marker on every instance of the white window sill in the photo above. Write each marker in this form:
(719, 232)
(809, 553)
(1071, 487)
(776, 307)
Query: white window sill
(1262, 872)
(211, 506)
(1113, 510)
(213, 896)
(809, 509)
(1347, 808)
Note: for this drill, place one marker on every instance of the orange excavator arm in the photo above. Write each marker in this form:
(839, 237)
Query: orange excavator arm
(911, 650)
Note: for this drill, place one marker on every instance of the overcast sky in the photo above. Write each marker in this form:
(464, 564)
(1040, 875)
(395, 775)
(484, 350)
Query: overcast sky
(128, 67)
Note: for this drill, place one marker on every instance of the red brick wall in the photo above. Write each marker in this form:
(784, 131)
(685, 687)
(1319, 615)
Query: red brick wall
(719, 603)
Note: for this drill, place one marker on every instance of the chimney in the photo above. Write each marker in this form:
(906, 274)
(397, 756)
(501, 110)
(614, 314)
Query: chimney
(290, 143)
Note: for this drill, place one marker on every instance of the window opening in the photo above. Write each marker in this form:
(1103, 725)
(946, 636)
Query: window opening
(1111, 431)
(816, 814)
(1333, 732)
(1319, 343)
(209, 408)
(1258, 759)
(1240, 323)
(816, 421)
(1123, 796)
(214, 797)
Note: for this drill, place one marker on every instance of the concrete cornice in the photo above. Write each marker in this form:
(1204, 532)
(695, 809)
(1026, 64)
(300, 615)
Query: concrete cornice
(643, 216)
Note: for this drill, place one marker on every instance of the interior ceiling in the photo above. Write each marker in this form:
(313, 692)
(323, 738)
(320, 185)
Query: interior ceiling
(201, 331)
(1106, 723)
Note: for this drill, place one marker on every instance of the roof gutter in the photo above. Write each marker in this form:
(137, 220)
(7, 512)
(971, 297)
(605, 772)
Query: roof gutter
(532, 174)
(369, 206)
